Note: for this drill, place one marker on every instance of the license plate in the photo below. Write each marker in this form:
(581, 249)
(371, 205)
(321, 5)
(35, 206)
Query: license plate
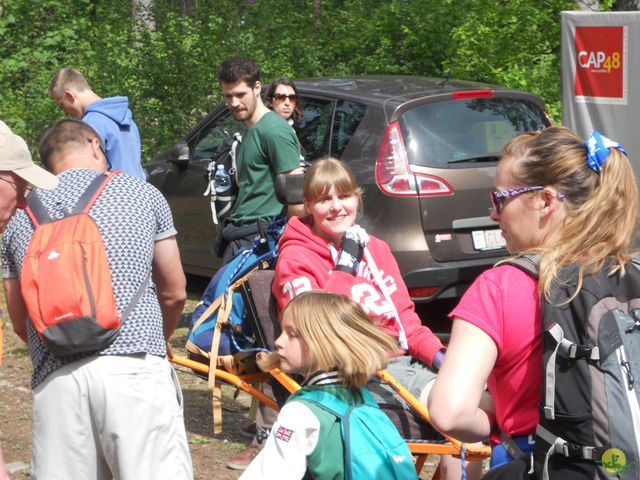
(488, 239)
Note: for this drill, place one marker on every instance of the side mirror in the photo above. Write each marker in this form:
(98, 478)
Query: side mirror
(179, 154)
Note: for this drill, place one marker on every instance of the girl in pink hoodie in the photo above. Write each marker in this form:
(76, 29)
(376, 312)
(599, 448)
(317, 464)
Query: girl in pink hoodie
(327, 250)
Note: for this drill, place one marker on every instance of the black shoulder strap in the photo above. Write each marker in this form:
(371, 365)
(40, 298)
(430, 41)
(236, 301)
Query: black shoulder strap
(526, 263)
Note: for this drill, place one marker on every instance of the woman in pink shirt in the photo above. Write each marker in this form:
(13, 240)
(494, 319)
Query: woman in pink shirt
(551, 199)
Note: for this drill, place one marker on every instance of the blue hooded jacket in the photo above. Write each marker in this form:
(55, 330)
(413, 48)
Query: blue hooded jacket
(113, 121)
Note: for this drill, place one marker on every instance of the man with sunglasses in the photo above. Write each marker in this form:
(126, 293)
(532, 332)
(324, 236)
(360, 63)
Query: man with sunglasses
(18, 175)
(269, 147)
(110, 117)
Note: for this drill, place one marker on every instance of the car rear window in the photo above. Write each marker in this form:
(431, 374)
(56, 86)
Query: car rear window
(463, 133)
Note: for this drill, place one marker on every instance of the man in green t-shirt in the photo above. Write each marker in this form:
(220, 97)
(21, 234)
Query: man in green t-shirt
(269, 147)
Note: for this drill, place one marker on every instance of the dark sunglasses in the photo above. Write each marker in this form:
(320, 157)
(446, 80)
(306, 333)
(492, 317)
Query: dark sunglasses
(499, 197)
(281, 97)
(23, 190)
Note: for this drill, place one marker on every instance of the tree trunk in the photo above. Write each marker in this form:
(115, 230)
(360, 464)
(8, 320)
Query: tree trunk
(316, 12)
(188, 8)
(589, 5)
(142, 11)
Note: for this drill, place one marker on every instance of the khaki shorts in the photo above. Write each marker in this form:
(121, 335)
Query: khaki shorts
(106, 417)
(412, 375)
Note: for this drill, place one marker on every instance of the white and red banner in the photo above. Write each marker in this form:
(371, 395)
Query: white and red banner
(601, 76)
(601, 64)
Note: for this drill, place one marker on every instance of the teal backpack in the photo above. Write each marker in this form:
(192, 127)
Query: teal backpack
(373, 448)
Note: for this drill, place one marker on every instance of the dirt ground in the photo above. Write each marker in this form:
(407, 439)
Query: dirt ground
(209, 453)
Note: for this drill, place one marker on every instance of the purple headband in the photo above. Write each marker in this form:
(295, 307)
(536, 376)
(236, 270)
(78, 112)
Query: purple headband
(598, 150)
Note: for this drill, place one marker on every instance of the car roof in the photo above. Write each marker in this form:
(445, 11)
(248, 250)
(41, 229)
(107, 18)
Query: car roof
(388, 89)
(391, 91)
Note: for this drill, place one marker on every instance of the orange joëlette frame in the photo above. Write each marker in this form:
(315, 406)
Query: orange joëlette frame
(420, 449)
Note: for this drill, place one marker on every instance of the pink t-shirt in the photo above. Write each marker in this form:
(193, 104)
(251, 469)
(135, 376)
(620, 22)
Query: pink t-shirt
(504, 303)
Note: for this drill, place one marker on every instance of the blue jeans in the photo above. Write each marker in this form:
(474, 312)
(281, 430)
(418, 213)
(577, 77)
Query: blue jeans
(500, 455)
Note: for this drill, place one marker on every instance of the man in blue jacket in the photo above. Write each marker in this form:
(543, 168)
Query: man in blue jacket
(110, 117)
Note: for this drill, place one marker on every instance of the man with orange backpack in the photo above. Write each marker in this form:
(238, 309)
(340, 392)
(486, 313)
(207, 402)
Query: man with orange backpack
(18, 174)
(97, 263)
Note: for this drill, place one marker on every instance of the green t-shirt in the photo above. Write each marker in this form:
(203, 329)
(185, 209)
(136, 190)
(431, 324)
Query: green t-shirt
(268, 148)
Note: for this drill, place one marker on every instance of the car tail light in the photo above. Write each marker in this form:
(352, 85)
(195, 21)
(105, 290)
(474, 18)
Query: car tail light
(472, 94)
(393, 175)
(423, 292)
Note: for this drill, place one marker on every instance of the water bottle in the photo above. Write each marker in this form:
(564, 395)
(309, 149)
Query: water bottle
(222, 180)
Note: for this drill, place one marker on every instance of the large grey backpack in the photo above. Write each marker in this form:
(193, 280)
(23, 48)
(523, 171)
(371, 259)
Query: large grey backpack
(589, 425)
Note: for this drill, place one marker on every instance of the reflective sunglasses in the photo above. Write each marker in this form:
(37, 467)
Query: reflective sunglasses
(499, 197)
(281, 97)
(24, 190)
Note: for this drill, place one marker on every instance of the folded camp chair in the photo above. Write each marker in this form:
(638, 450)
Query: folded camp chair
(261, 312)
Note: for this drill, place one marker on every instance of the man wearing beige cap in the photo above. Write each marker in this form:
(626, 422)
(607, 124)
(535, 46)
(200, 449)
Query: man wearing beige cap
(18, 175)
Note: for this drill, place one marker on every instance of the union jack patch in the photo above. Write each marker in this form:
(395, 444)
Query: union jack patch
(284, 434)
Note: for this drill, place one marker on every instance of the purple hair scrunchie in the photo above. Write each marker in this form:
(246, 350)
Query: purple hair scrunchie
(598, 150)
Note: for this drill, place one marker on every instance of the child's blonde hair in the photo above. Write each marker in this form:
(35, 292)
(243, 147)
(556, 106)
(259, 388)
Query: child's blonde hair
(339, 336)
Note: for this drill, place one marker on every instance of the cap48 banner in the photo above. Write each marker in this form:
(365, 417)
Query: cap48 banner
(601, 64)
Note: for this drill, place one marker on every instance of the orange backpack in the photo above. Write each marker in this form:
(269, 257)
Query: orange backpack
(66, 279)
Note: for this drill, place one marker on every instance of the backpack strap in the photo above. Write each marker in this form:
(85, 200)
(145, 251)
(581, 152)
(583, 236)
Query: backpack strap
(92, 192)
(526, 263)
(334, 405)
(84, 204)
(510, 445)
(237, 140)
(326, 401)
(36, 210)
(571, 350)
(560, 446)
(136, 298)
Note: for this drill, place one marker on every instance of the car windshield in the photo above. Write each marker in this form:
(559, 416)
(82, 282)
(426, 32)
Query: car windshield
(462, 133)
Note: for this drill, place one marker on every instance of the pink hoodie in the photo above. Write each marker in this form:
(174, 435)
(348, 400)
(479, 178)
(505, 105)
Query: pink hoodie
(306, 263)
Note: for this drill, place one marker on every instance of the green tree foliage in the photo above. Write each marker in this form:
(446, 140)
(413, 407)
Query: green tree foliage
(170, 73)
(517, 44)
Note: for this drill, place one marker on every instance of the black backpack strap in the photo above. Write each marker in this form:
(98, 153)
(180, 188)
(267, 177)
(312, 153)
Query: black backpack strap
(559, 446)
(526, 263)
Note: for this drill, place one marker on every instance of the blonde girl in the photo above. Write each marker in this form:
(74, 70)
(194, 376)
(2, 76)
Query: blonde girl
(331, 342)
